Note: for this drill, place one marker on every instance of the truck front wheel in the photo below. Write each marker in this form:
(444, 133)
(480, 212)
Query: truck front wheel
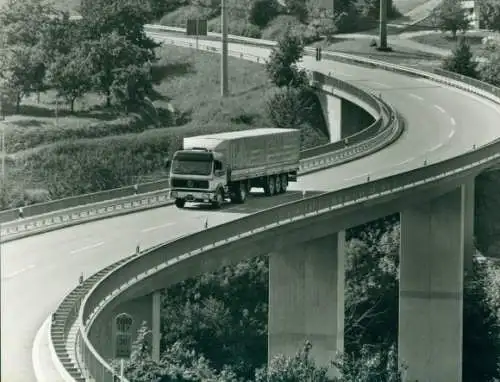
(180, 203)
(219, 199)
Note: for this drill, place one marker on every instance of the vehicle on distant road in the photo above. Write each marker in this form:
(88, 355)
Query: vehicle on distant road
(215, 167)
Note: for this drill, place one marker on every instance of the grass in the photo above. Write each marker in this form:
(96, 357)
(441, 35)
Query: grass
(187, 84)
(399, 55)
(445, 41)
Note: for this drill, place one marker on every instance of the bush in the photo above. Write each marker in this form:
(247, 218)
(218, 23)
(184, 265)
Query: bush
(238, 27)
(263, 11)
(179, 17)
(279, 26)
(461, 60)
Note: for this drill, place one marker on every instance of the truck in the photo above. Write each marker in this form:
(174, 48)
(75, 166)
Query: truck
(215, 167)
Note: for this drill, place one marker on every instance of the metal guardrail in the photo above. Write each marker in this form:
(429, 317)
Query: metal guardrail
(156, 259)
(44, 217)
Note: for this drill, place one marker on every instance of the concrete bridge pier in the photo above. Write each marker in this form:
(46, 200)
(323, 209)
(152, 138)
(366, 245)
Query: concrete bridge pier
(436, 238)
(146, 308)
(306, 298)
(342, 117)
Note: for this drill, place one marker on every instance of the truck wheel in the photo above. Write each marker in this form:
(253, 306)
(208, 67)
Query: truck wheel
(242, 193)
(284, 183)
(270, 187)
(278, 184)
(179, 203)
(219, 199)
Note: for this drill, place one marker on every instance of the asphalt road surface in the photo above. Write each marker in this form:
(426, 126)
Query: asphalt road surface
(37, 272)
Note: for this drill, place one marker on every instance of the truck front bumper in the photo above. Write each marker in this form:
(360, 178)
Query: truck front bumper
(193, 196)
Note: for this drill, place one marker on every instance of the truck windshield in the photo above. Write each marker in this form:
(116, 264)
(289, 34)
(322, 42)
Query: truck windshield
(192, 164)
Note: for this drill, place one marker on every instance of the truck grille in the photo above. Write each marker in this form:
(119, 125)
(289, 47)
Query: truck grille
(190, 183)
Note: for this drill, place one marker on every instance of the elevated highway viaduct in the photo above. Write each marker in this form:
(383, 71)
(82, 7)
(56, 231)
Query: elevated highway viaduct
(307, 254)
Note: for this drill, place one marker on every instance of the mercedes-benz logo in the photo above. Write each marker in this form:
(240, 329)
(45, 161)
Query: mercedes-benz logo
(190, 183)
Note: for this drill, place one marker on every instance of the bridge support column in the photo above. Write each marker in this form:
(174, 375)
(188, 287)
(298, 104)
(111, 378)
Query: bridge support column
(434, 239)
(146, 308)
(332, 112)
(306, 299)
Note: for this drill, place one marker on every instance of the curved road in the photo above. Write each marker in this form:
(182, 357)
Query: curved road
(37, 272)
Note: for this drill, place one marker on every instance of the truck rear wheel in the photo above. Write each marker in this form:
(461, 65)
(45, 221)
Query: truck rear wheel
(270, 187)
(278, 184)
(241, 193)
(180, 203)
(284, 182)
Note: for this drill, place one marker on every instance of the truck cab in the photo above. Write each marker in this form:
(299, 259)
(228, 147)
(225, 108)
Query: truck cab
(198, 175)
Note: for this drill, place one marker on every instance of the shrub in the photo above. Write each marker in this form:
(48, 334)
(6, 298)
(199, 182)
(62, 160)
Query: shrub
(461, 60)
(238, 27)
(179, 17)
(279, 26)
(263, 11)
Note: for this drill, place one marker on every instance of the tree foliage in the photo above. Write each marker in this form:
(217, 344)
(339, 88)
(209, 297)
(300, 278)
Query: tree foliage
(489, 66)
(263, 11)
(223, 315)
(461, 60)
(282, 65)
(451, 17)
(489, 13)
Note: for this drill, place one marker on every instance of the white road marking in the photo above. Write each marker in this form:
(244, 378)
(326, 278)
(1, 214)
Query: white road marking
(358, 176)
(440, 108)
(406, 161)
(157, 227)
(416, 96)
(13, 274)
(35, 351)
(453, 122)
(452, 133)
(436, 147)
(380, 84)
(92, 246)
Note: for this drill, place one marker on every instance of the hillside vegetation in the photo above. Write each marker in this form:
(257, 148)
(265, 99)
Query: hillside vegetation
(269, 19)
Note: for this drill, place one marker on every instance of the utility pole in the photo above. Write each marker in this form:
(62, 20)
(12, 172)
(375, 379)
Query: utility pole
(224, 51)
(383, 25)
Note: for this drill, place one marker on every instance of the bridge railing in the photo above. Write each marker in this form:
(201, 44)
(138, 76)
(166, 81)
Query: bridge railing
(158, 258)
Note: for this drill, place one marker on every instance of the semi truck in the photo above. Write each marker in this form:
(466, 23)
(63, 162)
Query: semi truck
(215, 167)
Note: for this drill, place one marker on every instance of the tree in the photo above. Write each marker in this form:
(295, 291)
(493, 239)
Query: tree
(372, 365)
(282, 65)
(489, 64)
(452, 17)
(323, 20)
(288, 108)
(222, 315)
(110, 57)
(177, 364)
(297, 8)
(489, 14)
(21, 22)
(299, 368)
(71, 75)
(263, 11)
(23, 71)
(481, 346)
(461, 60)
(126, 18)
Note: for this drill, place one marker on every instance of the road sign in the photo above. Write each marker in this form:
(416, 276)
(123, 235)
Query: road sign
(197, 27)
(123, 345)
(123, 336)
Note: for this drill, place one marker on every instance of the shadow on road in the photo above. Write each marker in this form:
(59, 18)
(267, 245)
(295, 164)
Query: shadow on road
(255, 202)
